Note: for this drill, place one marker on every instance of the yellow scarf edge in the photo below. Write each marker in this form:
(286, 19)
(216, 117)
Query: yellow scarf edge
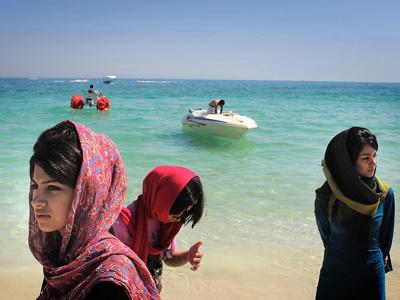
(365, 209)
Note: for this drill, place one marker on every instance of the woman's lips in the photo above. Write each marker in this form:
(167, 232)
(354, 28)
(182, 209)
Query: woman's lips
(42, 217)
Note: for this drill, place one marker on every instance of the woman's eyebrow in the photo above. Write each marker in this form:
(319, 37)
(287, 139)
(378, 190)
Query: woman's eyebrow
(49, 181)
(367, 154)
(46, 181)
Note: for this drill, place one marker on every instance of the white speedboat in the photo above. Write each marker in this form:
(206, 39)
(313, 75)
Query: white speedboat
(109, 79)
(227, 124)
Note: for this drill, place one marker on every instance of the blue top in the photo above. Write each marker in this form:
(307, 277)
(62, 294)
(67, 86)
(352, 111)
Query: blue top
(348, 272)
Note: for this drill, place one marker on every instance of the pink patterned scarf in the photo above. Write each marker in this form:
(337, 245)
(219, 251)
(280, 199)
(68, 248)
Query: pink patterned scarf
(88, 254)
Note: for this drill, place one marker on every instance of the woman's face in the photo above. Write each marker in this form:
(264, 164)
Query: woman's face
(366, 161)
(177, 218)
(51, 201)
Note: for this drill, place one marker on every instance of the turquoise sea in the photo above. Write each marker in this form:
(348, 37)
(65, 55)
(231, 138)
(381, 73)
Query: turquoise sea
(259, 189)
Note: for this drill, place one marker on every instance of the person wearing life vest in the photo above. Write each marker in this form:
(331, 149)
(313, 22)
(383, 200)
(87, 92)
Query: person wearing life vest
(213, 106)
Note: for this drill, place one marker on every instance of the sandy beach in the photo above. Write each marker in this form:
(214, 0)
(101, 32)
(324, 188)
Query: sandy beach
(234, 282)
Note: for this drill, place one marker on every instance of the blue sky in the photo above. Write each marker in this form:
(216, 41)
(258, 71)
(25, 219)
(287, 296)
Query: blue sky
(264, 40)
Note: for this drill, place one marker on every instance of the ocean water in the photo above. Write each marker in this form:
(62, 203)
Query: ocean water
(259, 189)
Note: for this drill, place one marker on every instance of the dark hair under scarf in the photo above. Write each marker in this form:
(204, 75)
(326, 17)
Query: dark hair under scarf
(191, 194)
(340, 157)
(59, 153)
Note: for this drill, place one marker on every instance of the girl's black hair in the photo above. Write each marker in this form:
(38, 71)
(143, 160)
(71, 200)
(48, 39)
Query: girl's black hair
(192, 194)
(357, 138)
(57, 151)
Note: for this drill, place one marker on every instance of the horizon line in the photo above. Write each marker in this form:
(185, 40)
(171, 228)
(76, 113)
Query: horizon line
(182, 79)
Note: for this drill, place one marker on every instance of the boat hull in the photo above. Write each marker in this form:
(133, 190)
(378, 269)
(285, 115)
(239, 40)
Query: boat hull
(236, 133)
(109, 79)
(228, 125)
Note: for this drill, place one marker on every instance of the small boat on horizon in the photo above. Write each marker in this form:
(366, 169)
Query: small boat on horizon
(109, 79)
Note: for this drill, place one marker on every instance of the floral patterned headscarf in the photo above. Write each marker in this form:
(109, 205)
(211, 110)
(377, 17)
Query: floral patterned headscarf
(88, 254)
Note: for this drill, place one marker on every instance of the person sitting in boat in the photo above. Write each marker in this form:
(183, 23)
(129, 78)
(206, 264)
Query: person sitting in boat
(92, 90)
(213, 106)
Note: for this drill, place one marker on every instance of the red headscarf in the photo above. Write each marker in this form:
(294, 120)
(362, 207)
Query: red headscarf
(161, 187)
(88, 254)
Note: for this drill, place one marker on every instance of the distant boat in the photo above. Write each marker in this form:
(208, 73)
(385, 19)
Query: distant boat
(109, 79)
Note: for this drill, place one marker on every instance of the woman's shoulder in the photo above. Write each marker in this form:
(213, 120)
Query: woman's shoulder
(133, 207)
(107, 290)
(386, 189)
(384, 186)
(120, 230)
(322, 197)
(390, 194)
(323, 193)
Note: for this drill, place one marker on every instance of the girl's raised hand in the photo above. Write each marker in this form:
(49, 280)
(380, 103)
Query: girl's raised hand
(195, 255)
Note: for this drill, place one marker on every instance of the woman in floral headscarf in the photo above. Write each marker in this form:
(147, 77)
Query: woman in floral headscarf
(78, 186)
(354, 210)
(171, 196)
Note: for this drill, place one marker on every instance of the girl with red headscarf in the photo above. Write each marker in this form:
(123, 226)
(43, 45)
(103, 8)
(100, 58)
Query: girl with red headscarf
(78, 187)
(171, 197)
